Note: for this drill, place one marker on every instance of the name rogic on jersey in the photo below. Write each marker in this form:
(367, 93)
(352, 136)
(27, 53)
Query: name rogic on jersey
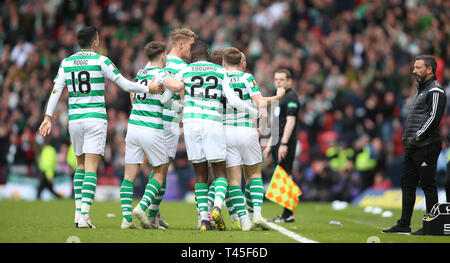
(84, 75)
(244, 85)
(147, 108)
(203, 91)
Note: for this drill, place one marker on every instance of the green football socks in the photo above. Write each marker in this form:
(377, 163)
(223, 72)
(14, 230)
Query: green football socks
(126, 199)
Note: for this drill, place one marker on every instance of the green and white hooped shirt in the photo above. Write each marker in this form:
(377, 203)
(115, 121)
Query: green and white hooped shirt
(206, 86)
(147, 109)
(203, 91)
(173, 65)
(84, 75)
(244, 85)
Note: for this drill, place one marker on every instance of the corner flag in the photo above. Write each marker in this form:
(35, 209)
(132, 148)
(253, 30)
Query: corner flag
(283, 190)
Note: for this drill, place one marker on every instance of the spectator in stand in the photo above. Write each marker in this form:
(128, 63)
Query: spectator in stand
(48, 163)
(348, 185)
(381, 182)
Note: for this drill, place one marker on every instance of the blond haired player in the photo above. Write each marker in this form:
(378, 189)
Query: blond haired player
(181, 40)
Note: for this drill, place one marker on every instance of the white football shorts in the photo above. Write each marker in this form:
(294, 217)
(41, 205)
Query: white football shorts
(88, 137)
(141, 142)
(242, 146)
(205, 141)
(171, 137)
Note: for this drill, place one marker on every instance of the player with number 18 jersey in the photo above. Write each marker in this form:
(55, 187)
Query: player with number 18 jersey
(84, 73)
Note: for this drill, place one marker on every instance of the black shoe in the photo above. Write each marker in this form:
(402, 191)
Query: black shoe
(418, 233)
(398, 229)
(281, 219)
(206, 225)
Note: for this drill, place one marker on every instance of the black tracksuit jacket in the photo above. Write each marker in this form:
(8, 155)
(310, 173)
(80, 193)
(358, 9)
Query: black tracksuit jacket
(425, 114)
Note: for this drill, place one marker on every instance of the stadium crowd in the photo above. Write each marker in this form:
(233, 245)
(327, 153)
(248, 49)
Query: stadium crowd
(351, 62)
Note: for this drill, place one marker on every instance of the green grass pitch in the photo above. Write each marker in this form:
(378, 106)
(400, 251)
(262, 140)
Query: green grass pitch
(52, 222)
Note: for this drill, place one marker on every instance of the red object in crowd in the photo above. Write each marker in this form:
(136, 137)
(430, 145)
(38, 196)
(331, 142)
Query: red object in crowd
(325, 139)
(303, 157)
(107, 177)
(440, 69)
(383, 185)
(397, 140)
(26, 141)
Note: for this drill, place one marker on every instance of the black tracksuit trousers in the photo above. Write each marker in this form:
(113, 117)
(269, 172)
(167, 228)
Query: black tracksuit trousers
(419, 168)
(447, 183)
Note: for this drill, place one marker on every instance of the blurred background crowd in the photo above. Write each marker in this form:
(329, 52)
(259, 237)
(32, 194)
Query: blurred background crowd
(351, 62)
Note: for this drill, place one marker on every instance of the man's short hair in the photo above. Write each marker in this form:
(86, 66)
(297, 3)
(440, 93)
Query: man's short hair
(243, 58)
(216, 56)
(199, 50)
(285, 71)
(182, 34)
(154, 49)
(232, 56)
(429, 61)
(86, 35)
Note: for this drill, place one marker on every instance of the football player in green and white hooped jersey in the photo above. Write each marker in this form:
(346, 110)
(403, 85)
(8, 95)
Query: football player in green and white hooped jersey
(181, 40)
(243, 148)
(206, 84)
(84, 75)
(145, 137)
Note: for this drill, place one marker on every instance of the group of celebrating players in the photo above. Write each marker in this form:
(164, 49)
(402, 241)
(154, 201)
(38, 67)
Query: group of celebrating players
(222, 111)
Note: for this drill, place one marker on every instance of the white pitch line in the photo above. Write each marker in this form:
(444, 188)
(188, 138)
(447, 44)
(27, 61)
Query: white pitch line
(290, 234)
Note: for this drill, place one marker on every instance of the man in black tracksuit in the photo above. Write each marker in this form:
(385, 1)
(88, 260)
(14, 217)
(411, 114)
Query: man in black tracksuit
(422, 142)
(283, 151)
(447, 183)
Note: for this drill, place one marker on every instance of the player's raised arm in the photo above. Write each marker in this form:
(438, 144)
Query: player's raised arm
(267, 101)
(173, 85)
(235, 101)
(166, 100)
(112, 73)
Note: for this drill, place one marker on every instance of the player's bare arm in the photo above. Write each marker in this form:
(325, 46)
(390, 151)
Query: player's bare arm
(267, 101)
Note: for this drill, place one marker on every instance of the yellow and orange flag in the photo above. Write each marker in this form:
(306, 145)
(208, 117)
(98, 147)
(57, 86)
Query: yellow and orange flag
(283, 190)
